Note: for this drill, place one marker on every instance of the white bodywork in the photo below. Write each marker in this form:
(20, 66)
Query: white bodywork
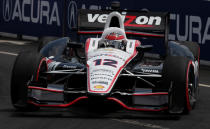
(105, 64)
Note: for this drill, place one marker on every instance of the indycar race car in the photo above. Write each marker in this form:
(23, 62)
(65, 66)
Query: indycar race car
(112, 67)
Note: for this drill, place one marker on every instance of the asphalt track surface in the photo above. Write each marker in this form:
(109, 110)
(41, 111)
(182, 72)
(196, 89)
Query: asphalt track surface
(87, 118)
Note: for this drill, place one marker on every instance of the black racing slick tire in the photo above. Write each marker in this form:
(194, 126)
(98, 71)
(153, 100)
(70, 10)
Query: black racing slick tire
(193, 47)
(178, 75)
(45, 40)
(24, 66)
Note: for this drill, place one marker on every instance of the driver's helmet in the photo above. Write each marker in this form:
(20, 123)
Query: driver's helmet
(115, 40)
(114, 36)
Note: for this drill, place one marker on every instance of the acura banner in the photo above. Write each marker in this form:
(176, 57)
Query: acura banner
(189, 20)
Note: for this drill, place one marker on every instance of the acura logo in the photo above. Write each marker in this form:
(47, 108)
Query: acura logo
(7, 10)
(72, 15)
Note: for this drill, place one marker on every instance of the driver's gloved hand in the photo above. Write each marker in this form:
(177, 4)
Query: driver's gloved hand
(122, 45)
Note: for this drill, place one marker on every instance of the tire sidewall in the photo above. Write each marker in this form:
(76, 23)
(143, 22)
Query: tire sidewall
(175, 78)
(24, 66)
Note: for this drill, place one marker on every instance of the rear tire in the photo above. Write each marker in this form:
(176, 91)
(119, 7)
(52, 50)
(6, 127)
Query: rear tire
(45, 40)
(178, 75)
(24, 66)
(194, 48)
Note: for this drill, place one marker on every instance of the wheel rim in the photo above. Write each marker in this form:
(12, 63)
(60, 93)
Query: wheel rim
(191, 89)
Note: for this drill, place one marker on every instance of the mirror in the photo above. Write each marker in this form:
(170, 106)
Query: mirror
(144, 48)
(75, 45)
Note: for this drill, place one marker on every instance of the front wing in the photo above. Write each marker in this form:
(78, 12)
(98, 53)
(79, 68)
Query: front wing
(139, 99)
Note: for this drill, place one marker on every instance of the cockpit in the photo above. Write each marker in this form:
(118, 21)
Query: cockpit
(118, 44)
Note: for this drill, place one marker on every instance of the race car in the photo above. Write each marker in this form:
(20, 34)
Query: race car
(112, 67)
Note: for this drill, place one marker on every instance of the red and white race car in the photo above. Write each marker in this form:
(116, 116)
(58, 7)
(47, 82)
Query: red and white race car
(113, 68)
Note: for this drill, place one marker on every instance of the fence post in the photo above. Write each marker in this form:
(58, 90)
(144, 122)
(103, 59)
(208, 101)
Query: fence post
(19, 36)
(64, 19)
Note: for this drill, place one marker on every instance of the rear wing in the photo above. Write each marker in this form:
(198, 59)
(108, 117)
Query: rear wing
(154, 24)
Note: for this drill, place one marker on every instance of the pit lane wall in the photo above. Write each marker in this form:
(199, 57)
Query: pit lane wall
(189, 20)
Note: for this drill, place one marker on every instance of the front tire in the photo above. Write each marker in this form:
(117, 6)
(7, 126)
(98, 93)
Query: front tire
(178, 75)
(24, 66)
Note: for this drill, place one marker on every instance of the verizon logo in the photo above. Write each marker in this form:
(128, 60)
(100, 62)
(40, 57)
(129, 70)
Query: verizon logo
(128, 20)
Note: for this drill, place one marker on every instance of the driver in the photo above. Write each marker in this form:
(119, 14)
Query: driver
(114, 40)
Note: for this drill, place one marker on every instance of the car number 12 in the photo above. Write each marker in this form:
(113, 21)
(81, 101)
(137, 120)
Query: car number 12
(108, 62)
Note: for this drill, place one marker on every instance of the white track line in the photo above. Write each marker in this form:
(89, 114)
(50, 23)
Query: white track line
(14, 42)
(8, 53)
(138, 123)
(204, 85)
